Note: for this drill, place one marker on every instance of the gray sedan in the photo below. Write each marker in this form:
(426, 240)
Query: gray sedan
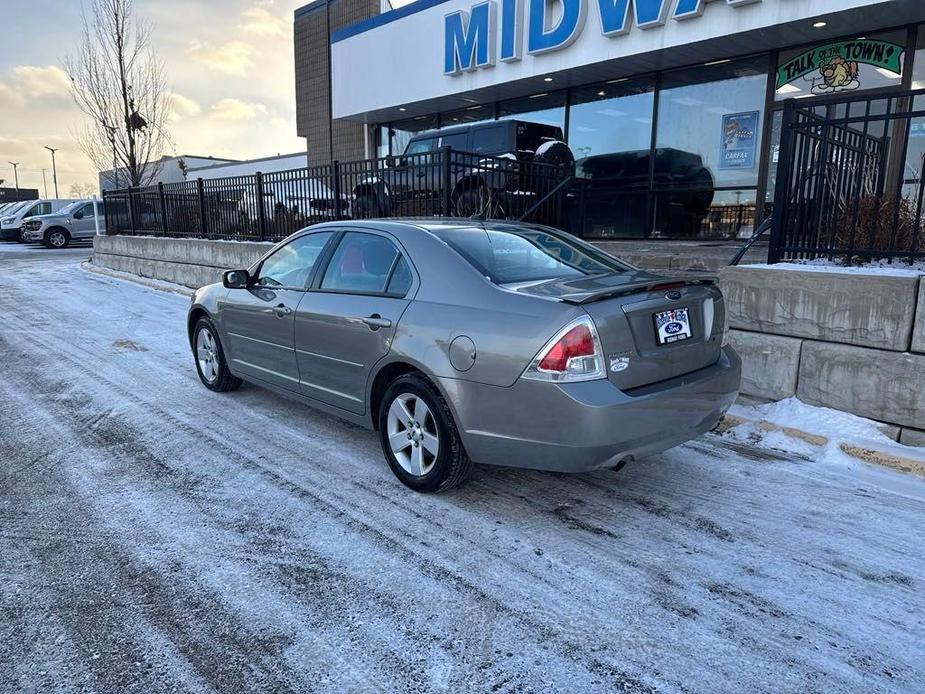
(464, 342)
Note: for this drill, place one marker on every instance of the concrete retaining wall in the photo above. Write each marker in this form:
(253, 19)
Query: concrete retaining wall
(853, 342)
(866, 310)
(189, 262)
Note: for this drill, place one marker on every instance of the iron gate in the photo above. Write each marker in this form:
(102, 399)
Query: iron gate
(849, 180)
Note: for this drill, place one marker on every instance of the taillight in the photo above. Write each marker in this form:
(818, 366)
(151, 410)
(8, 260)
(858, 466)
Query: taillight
(574, 354)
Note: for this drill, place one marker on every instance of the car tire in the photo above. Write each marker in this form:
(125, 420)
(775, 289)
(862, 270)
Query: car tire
(476, 201)
(210, 358)
(21, 237)
(368, 206)
(413, 411)
(57, 238)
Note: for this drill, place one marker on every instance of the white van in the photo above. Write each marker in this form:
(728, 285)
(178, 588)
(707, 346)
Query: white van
(11, 220)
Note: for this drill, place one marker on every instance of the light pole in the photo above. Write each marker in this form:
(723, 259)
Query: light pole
(54, 169)
(15, 165)
(45, 182)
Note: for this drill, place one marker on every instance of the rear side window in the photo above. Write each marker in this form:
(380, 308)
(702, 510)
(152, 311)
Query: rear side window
(491, 140)
(367, 264)
(292, 264)
(515, 255)
(455, 141)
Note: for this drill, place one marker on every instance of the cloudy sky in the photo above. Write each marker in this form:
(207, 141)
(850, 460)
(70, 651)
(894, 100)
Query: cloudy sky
(229, 64)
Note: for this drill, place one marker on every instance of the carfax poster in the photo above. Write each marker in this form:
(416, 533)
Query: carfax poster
(740, 140)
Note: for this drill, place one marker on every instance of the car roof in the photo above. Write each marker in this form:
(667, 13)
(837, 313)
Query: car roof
(465, 127)
(436, 226)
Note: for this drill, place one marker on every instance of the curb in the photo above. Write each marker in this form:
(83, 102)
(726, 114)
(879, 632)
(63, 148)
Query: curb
(159, 285)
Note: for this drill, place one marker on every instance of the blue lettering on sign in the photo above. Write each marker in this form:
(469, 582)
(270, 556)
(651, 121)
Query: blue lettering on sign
(469, 38)
(542, 39)
(511, 29)
(615, 15)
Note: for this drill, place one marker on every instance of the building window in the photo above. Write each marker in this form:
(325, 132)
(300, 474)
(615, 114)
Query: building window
(610, 134)
(612, 117)
(381, 134)
(547, 108)
(708, 138)
(470, 114)
(401, 132)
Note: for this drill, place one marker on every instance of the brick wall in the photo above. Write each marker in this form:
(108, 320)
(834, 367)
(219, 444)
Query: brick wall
(325, 140)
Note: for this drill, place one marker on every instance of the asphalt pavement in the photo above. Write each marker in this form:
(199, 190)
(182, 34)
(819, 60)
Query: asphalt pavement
(156, 536)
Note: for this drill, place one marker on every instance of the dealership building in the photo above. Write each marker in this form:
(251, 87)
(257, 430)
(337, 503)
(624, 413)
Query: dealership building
(678, 102)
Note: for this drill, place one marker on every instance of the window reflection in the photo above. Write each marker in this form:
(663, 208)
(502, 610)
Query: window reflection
(611, 117)
(547, 108)
(401, 132)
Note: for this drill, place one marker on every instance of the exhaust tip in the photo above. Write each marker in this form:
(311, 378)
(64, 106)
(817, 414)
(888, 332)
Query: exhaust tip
(622, 463)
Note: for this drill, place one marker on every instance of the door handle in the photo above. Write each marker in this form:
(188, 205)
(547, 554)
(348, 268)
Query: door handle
(280, 311)
(376, 321)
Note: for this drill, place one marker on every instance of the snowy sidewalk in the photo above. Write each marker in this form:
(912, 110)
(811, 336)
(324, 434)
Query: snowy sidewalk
(157, 535)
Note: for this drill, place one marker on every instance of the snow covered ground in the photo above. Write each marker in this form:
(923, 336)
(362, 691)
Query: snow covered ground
(156, 536)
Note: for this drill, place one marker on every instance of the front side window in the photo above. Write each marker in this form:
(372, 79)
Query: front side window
(366, 264)
(292, 265)
(85, 211)
(420, 146)
(512, 256)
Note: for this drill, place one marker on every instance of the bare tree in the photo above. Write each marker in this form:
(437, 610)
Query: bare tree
(82, 190)
(119, 82)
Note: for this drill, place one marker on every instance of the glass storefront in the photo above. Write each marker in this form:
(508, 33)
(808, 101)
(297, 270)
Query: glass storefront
(680, 154)
(708, 146)
(547, 108)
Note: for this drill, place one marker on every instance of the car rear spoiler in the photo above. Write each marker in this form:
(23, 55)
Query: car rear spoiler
(653, 285)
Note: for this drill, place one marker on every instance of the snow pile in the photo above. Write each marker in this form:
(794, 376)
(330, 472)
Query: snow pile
(878, 267)
(839, 428)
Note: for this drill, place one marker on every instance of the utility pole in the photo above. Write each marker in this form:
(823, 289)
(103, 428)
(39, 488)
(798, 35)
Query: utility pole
(45, 182)
(15, 165)
(54, 169)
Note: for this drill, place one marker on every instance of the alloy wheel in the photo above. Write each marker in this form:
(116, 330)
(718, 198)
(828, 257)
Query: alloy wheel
(206, 355)
(56, 239)
(413, 436)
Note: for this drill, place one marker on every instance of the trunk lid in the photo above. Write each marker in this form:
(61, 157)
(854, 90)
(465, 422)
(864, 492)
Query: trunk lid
(623, 308)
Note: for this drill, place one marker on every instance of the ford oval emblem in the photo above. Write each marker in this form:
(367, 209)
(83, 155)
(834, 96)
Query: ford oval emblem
(673, 295)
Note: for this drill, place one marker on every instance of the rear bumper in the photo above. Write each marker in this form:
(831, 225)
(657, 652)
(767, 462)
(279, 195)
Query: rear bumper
(587, 426)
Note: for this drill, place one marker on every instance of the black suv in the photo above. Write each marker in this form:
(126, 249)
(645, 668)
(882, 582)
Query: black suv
(471, 169)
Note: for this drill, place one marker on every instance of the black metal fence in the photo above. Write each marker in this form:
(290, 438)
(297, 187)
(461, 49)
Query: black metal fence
(270, 206)
(849, 180)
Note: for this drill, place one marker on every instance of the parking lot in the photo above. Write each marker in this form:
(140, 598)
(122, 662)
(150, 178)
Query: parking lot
(157, 536)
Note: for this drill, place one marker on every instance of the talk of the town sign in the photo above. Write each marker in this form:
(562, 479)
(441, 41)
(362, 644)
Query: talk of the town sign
(472, 39)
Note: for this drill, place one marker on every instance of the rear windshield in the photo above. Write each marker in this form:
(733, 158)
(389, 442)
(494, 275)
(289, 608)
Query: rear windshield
(517, 255)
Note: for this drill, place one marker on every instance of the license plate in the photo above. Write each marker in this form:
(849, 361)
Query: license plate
(672, 326)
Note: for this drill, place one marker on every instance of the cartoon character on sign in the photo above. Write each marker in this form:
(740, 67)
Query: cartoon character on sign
(838, 75)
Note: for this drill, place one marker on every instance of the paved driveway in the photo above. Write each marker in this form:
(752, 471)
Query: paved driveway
(155, 536)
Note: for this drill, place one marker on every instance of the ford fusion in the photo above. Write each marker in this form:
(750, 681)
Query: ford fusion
(465, 342)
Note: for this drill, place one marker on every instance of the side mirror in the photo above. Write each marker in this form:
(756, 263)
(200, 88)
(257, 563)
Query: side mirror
(235, 279)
